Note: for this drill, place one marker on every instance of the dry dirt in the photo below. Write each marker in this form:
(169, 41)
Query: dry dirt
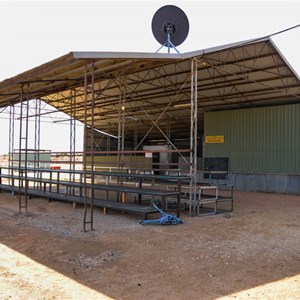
(252, 253)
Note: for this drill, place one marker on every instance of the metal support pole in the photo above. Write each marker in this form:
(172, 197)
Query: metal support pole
(26, 148)
(20, 152)
(23, 140)
(193, 134)
(121, 125)
(11, 142)
(37, 138)
(72, 139)
(89, 201)
(92, 144)
(84, 159)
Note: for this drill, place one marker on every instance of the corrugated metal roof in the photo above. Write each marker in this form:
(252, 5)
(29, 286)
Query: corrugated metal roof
(244, 74)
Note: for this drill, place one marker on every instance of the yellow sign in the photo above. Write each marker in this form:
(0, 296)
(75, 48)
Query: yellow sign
(213, 139)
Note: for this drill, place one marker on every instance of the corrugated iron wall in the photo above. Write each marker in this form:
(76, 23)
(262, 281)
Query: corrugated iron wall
(262, 140)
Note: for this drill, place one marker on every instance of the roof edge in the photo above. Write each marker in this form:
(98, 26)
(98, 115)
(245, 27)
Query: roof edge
(120, 55)
(284, 59)
(224, 47)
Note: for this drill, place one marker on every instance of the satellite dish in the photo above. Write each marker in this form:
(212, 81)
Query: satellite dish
(170, 26)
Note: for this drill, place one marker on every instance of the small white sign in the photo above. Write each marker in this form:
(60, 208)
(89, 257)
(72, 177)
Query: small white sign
(148, 154)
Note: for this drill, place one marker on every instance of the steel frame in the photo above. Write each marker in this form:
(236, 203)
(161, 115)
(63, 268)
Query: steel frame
(124, 103)
(126, 90)
(130, 95)
(194, 133)
(11, 146)
(121, 125)
(23, 146)
(37, 139)
(88, 198)
(72, 153)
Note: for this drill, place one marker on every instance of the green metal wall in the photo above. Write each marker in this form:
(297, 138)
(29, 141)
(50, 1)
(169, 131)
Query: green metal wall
(265, 139)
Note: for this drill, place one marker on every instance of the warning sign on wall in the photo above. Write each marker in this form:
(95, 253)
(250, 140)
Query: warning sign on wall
(213, 139)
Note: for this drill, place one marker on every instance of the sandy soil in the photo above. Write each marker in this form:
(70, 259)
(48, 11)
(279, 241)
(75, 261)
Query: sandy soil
(252, 253)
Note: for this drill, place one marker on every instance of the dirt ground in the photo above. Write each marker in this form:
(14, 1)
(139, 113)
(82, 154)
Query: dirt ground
(251, 253)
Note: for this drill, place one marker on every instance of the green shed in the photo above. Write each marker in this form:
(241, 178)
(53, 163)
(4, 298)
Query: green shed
(262, 144)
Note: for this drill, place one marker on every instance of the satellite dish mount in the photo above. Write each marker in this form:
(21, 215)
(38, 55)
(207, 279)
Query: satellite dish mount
(170, 27)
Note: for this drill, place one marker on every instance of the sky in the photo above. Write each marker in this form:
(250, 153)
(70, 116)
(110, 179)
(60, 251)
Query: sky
(35, 32)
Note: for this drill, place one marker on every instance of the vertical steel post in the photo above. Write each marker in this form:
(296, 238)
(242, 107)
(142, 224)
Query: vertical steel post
(121, 126)
(92, 146)
(72, 139)
(37, 138)
(87, 203)
(23, 137)
(11, 142)
(26, 148)
(20, 152)
(193, 134)
(84, 158)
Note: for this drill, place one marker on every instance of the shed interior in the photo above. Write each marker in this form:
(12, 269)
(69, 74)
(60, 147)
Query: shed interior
(139, 107)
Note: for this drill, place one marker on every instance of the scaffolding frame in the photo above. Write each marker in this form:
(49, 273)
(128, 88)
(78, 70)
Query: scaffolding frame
(136, 99)
(23, 148)
(194, 133)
